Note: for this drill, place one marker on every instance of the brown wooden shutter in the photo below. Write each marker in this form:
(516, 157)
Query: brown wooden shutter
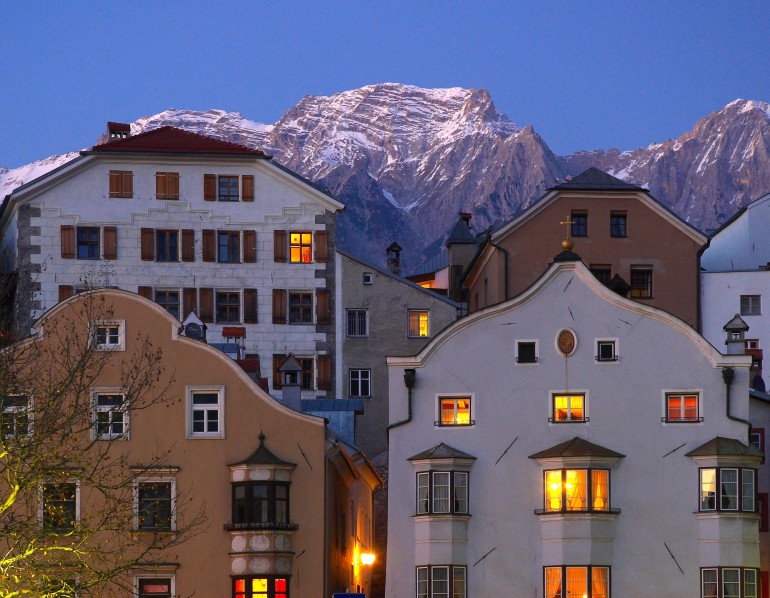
(188, 245)
(278, 359)
(110, 243)
(324, 307)
(321, 246)
(115, 183)
(279, 306)
(210, 187)
(145, 292)
(148, 244)
(68, 242)
(206, 299)
(250, 306)
(161, 185)
(209, 246)
(127, 183)
(249, 246)
(190, 296)
(66, 291)
(279, 246)
(173, 185)
(324, 372)
(247, 193)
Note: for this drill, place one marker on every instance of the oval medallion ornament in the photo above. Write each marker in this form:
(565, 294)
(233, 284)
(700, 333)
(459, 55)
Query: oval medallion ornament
(566, 342)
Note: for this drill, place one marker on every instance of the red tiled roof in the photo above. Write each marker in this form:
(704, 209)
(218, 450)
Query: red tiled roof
(170, 140)
(118, 126)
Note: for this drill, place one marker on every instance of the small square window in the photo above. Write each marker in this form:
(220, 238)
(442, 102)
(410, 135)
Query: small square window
(155, 510)
(455, 411)
(526, 352)
(606, 350)
(110, 415)
(579, 227)
(205, 412)
(751, 305)
(360, 383)
(301, 247)
(358, 322)
(367, 278)
(618, 224)
(418, 323)
(641, 282)
(109, 336)
(569, 408)
(682, 408)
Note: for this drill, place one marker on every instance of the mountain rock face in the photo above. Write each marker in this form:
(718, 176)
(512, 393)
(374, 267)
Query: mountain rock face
(405, 160)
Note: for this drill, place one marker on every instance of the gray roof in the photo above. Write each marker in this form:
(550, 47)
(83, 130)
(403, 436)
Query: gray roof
(577, 447)
(725, 447)
(736, 324)
(262, 456)
(594, 179)
(441, 451)
(461, 233)
(567, 256)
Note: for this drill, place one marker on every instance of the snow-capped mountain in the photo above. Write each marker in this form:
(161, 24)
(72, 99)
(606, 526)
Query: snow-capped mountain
(405, 160)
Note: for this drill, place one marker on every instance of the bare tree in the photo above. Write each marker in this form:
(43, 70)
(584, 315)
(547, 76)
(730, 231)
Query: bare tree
(69, 509)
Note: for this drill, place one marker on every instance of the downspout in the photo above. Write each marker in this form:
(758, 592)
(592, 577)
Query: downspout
(505, 263)
(698, 285)
(728, 375)
(410, 375)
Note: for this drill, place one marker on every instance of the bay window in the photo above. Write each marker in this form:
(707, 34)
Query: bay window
(442, 581)
(729, 582)
(266, 586)
(576, 582)
(577, 490)
(442, 492)
(727, 489)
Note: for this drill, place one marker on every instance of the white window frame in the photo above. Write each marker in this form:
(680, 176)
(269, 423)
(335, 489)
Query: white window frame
(552, 394)
(41, 506)
(158, 575)
(615, 353)
(409, 313)
(357, 333)
(534, 341)
(753, 305)
(95, 410)
(191, 391)
(455, 396)
(368, 381)
(16, 410)
(424, 580)
(367, 278)
(119, 345)
(154, 479)
(719, 580)
(668, 392)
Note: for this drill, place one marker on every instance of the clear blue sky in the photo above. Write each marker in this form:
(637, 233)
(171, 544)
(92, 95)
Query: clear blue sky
(586, 75)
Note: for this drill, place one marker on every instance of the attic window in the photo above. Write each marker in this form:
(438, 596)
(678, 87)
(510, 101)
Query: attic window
(367, 278)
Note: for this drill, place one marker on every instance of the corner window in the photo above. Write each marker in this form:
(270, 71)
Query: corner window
(300, 308)
(576, 582)
(16, 416)
(729, 582)
(418, 323)
(569, 408)
(168, 300)
(301, 247)
(167, 245)
(360, 383)
(155, 587)
(205, 412)
(358, 322)
(618, 224)
(455, 411)
(579, 226)
(228, 247)
(442, 581)
(727, 489)
(88, 242)
(229, 306)
(261, 505)
(155, 504)
(526, 351)
(577, 490)
(109, 336)
(267, 586)
(60, 506)
(442, 492)
(682, 408)
(606, 350)
(641, 282)
(110, 415)
(751, 305)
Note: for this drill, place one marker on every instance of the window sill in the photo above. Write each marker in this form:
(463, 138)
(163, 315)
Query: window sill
(698, 420)
(442, 517)
(470, 424)
(609, 514)
(232, 527)
(727, 514)
(551, 420)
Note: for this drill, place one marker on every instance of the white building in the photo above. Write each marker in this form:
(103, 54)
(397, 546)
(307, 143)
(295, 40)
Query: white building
(570, 442)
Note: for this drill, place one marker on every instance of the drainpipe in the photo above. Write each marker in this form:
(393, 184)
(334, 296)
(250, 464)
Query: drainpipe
(505, 262)
(728, 375)
(410, 377)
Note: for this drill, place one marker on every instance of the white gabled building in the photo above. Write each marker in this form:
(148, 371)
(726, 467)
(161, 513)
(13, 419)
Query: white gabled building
(571, 443)
(195, 224)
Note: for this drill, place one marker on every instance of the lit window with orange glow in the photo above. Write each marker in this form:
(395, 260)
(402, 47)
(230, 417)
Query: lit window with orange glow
(569, 408)
(682, 408)
(301, 248)
(418, 323)
(577, 582)
(260, 587)
(455, 411)
(577, 490)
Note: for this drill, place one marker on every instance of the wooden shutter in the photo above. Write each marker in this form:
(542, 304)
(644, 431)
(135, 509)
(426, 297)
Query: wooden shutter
(161, 185)
(279, 306)
(324, 372)
(247, 192)
(66, 291)
(190, 298)
(145, 292)
(250, 306)
(279, 246)
(210, 187)
(321, 246)
(148, 244)
(173, 185)
(278, 359)
(206, 299)
(209, 246)
(115, 182)
(127, 183)
(249, 246)
(188, 245)
(68, 242)
(110, 243)
(324, 307)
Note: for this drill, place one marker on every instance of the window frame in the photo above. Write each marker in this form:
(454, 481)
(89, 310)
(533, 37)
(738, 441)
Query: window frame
(224, 308)
(165, 240)
(604, 342)
(589, 569)
(418, 323)
(429, 500)
(165, 303)
(191, 392)
(232, 246)
(718, 583)
(300, 247)
(12, 413)
(88, 244)
(751, 305)
(160, 577)
(638, 288)
(578, 223)
(536, 347)
(302, 312)
(361, 381)
(669, 394)
(447, 397)
(590, 496)
(602, 272)
(719, 497)
(42, 508)
(159, 479)
(451, 579)
(357, 327)
(120, 339)
(228, 195)
(272, 590)
(618, 225)
(96, 409)
(272, 500)
(569, 419)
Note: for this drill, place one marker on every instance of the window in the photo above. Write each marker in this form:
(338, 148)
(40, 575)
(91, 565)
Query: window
(205, 408)
(360, 383)
(602, 273)
(729, 582)
(442, 492)
(17, 416)
(88, 243)
(442, 581)
(751, 305)
(110, 415)
(267, 586)
(358, 322)
(569, 408)
(228, 188)
(261, 505)
(618, 224)
(751, 343)
(605, 350)
(301, 247)
(155, 505)
(60, 505)
(228, 306)
(682, 408)
(167, 185)
(300, 308)
(169, 300)
(155, 587)
(228, 247)
(455, 411)
(367, 278)
(121, 183)
(418, 323)
(579, 227)
(576, 582)
(306, 375)
(757, 439)
(526, 352)
(641, 282)
(109, 336)
(167, 246)
(727, 489)
(577, 490)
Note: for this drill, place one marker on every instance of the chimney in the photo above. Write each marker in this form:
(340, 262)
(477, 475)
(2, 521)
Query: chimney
(117, 131)
(466, 217)
(736, 330)
(290, 372)
(394, 259)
